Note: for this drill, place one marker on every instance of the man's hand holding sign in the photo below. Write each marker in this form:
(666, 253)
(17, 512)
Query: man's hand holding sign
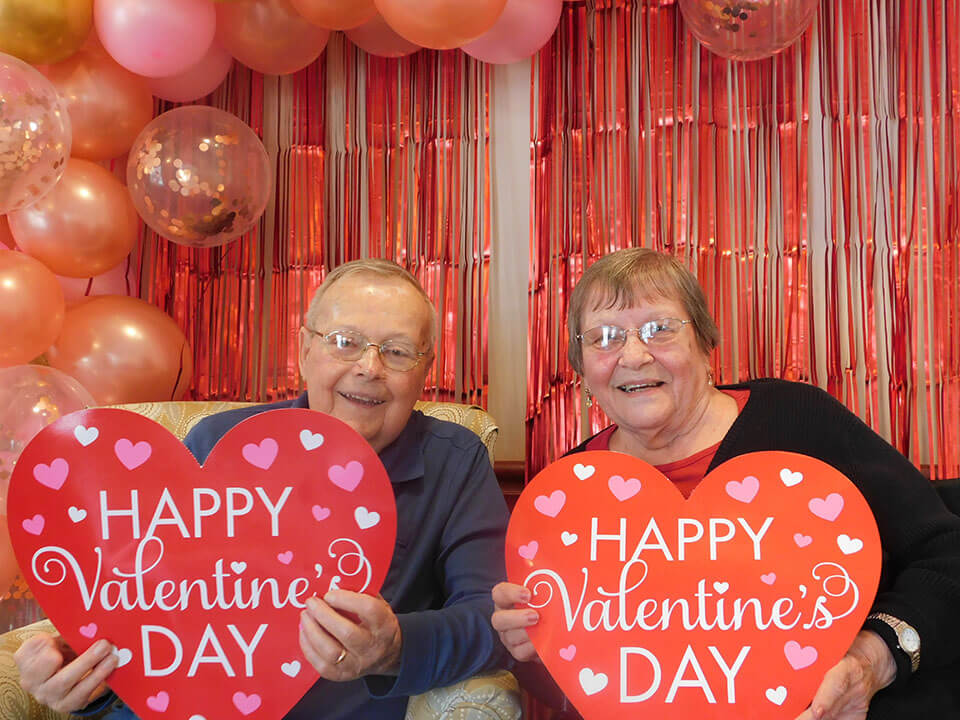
(733, 604)
(195, 589)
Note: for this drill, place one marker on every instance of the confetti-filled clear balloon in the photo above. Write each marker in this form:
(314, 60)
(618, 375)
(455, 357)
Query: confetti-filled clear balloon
(32, 397)
(748, 29)
(35, 134)
(199, 176)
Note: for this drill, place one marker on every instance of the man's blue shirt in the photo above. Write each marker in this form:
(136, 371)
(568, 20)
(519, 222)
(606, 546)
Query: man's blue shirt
(451, 523)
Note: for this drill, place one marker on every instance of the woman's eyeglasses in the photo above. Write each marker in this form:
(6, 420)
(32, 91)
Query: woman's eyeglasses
(607, 338)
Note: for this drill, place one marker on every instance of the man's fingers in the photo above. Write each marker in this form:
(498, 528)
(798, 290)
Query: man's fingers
(524, 652)
(347, 633)
(507, 595)
(505, 620)
(85, 690)
(319, 647)
(75, 671)
(514, 638)
(370, 610)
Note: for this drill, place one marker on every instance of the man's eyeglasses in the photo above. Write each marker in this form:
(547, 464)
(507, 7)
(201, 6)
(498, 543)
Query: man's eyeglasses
(607, 338)
(350, 346)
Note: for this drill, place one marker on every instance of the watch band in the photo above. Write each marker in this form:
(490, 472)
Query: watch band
(892, 629)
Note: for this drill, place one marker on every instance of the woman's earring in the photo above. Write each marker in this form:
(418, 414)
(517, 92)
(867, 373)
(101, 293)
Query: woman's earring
(709, 377)
(589, 396)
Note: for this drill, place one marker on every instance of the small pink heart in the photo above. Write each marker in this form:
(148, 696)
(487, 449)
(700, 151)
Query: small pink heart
(827, 508)
(285, 557)
(769, 578)
(53, 475)
(246, 703)
(623, 489)
(262, 455)
(743, 490)
(799, 657)
(158, 702)
(552, 505)
(802, 540)
(88, 631)
(568, 652)
(34, 525)
(347, 477)
(132, 456)
(320, 513)
(528, 551)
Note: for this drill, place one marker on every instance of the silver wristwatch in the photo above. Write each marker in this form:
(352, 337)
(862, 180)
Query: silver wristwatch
(908, 639)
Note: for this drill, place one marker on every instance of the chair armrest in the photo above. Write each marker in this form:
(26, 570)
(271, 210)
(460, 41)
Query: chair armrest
(482, 697)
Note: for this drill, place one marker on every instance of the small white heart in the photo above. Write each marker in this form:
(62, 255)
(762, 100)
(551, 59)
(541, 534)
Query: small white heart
(197, 717)
(84, 435)
(291, 669)
(77, 514)
(592, 682)
(849, 545)
(583, 471)
(310, 440)
(366, 519)
(721, 587)
(335, 582)
(568, 538)
(238, 567)
(777, 695)
(790, 478)
(319, 568)
(124, 655)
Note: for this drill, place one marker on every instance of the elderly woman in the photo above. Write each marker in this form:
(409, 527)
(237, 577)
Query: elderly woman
(641, 338)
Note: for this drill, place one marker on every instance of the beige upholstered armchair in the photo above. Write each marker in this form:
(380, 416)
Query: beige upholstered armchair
(488, 697)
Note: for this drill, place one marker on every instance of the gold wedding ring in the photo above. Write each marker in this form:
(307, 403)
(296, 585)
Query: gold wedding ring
(341, 656)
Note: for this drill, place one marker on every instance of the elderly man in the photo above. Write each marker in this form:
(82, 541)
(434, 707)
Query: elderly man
(365, 350)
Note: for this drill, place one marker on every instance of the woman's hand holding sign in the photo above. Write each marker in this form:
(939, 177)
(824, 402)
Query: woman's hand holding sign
(341, 649)
(48, 673)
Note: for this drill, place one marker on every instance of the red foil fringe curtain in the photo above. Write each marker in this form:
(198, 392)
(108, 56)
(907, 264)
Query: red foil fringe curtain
(373, 158)
(814, 194)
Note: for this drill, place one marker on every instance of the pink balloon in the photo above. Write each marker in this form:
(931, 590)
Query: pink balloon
(197, 81)
(378, 38)
(156, 39)
(524, 27)
(112, 282)
(749, 31)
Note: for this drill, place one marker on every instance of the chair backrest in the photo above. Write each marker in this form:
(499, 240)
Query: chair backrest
(180, 416)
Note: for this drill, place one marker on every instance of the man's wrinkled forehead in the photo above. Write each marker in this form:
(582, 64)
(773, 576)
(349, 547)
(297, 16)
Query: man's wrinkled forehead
(390, 305)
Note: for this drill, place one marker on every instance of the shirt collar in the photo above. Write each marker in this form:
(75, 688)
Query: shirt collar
(403, 458)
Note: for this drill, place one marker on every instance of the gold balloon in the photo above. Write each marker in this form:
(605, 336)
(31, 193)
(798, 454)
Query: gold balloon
(44, 31)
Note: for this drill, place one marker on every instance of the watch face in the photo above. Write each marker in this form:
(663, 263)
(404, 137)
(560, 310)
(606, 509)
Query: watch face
(909, 639)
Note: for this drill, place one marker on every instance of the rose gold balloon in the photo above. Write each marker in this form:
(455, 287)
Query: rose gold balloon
(112, 282)
(269, 36)
(378, 38)
(199, 176)
(440, 24)
(31, 308)
(748, 30)
(34, 134)
(44, 31)
(6, 237)
(86, 226)
(197, 81)
(336, 14)
(123, 350)
(108, 104)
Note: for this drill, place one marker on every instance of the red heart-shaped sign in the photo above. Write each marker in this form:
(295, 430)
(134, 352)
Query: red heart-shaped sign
(198, 575)
(732, 604)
